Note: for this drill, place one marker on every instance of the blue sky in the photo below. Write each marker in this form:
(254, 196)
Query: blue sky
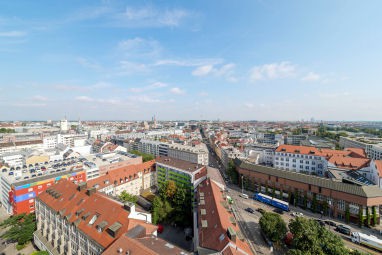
(264, 60)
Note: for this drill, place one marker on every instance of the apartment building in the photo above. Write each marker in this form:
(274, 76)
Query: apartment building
(181, 172)
(71, 140)
(72, 219)
(311, 160)
(133, 179)
(15, 146)
(197, 154)
(334, 198)
(18, 191)
(372, 146)
(216, 226)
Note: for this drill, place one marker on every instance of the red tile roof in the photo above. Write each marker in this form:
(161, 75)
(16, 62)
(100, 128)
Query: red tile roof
(129, 172)
(79, 208)
(349, 163)
(350, 158)
(218, 219)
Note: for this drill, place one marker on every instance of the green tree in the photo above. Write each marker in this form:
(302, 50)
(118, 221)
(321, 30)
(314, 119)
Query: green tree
(374, 216)
(360, 217)
(126, 197)
(20, 228)
(232, 173)
(314, 203)
(145, 157)
(367, 216)
(40, 253)
(170, 189)
(347, 215)
(310, 238)
(273, 226)
(160, 210)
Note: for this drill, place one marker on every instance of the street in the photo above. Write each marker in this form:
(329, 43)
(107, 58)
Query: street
(249, 223)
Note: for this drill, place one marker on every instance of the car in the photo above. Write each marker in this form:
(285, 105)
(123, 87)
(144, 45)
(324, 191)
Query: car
(30, 165)
(3, 170)
(25, 166)
(26, 177)
(244, 195)
(330, 223)
(320, 222)
(18, 168)
(33, 175)
(39, 174)
(24, 171)
(278, 210)
(250, 210)
(12, 168)
(32, 170)
(10, 173)
(297, 214)
(260, 210)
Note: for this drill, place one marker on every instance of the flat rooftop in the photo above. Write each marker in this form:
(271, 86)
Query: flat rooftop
(177, 163)
(108, 158)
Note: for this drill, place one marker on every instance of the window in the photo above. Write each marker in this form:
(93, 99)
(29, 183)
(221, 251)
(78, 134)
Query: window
(319, 189)
(294, 160)
(307, 168)
(310, 187)
(307, 162)
(301, 161)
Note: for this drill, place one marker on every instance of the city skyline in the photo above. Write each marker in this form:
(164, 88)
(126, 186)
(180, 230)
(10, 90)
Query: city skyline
(260, 60)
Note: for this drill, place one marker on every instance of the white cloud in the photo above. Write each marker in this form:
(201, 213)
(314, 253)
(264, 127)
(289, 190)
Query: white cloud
(203, 70)
(85, 99)
(272, 71)
(203, 94)
(139, 47)
(39, 98)
(96, 86)
(155, 85)
(249, 105)
(88, 63)
(128, 67)
(311, 77)
(13, 33)
(189, 62)
(225, 71)
(177, 91)
(29, 104)
(150, 16)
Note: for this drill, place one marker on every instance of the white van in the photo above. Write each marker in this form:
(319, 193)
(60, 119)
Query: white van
(244, 195)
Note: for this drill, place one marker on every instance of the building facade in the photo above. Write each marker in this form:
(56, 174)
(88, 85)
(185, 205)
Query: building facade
(18, 196)
(72, 219)
(181, 172)
(332, 198)
(134, 179)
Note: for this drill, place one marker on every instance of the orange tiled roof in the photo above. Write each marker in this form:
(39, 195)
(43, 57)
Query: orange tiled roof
(218, 220)
(349, 163)
(129, 172)
(79, 208)
(357, 152)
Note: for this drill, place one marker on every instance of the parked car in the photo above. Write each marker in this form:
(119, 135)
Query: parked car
(260, 210)
(10, 173)
(330, 223)
(320, 222)
(33, 175)
(244, 195)
(3, 170)
(278, 210)
(297, 214)
(250, 210)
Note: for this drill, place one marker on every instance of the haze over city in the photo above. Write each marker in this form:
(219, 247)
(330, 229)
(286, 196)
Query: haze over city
(264, 60)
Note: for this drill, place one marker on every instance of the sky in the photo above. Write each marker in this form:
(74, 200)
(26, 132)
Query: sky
(180, 60)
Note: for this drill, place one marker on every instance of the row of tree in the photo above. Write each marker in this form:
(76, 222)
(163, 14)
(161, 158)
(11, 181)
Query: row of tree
(20, 228)
(126, 197)
(172, 205)
(305, 236)
(145, 157)
(7, 130)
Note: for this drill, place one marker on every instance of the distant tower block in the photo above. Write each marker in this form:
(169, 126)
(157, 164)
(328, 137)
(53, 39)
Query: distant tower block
(64, 127)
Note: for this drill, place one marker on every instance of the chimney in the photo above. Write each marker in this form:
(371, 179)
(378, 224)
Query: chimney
(82, 186)
(129, 206)
(90, 191)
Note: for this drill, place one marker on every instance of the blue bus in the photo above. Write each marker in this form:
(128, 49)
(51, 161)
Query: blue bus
(272, 201)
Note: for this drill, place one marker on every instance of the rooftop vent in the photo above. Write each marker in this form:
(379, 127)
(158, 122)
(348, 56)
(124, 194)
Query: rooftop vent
(82, 186)
(90, 191)
(113, 229)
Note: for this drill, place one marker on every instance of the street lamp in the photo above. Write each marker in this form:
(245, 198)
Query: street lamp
(242, 184)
